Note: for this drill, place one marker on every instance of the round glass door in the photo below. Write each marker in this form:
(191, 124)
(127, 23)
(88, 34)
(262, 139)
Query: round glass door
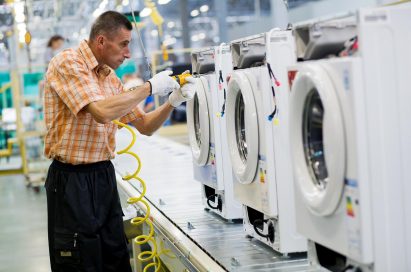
(317, 138)
(197, 126)
(242, 126)
(198, 123)
(313, 141)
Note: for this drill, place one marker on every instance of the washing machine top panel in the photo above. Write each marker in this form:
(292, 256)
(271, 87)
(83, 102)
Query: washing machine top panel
(198, 121)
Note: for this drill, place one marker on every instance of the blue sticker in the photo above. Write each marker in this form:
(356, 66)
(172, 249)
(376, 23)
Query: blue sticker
(351, 183)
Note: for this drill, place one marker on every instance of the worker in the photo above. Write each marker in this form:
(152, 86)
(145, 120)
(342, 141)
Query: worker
(82, 96)
(54, 46)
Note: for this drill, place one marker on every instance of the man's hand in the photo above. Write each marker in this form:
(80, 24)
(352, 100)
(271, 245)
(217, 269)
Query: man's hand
(184, 93)
(162, 84)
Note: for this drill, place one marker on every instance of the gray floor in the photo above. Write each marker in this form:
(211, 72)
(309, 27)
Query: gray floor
(23, 227)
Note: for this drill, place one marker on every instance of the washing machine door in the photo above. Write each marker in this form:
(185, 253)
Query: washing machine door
(242, 126)
(317, 139)
(198, 123)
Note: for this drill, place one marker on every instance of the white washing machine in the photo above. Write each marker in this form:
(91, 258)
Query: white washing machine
(334, 104)
(206, 124)
(255, 117)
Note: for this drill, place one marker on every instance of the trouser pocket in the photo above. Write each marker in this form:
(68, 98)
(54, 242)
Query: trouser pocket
(66, 248)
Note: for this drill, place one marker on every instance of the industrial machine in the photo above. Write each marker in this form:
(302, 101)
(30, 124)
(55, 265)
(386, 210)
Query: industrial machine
(257, 131)
(206, 125)
(348, 140)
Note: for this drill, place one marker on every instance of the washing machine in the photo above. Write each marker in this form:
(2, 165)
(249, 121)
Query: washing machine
(255, 118)
(206, 126)
(336, 117)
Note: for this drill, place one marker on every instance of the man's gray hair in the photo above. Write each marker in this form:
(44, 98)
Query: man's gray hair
(108, 23)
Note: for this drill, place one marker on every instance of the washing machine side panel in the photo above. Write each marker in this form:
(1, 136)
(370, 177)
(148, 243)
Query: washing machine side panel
(259, 79)
(231, 208)
(248, 194)
(385, 46)
(347, 78)
(328, 231)
(282, 55)
(215, 130)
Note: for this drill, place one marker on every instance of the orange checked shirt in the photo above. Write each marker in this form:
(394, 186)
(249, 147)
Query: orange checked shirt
(73, 81)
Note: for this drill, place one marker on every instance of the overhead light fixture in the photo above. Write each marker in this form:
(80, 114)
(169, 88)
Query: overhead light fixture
(194, 13)
(194, 38)
(171, 24)
(145, 12)
(201, 36)
(154, 32)
(170, 41)
(204, 8)
(163, 2)
(125, 3)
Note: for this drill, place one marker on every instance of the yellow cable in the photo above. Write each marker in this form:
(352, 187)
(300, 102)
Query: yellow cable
(144, 256)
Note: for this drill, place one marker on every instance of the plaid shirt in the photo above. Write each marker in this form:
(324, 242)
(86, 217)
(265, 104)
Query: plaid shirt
(73, 81)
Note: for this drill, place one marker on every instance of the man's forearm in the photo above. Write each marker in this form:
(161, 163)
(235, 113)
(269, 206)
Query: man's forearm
(117, 106)
(153, 120)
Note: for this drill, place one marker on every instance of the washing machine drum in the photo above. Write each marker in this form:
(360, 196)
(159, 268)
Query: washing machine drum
(198, 122)
(242, 126)
(317, 139)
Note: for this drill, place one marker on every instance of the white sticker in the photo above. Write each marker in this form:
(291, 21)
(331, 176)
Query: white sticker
(279, 39)
(376, 17)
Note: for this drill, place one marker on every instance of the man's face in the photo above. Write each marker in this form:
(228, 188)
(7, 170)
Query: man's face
(115, 48)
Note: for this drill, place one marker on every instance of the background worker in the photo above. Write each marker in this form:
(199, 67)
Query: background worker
(54, 45)
(82, 96)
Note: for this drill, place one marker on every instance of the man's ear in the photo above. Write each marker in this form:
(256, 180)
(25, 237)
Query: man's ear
(100, 40)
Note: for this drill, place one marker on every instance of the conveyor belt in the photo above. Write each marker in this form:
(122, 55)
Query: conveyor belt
(171, 188)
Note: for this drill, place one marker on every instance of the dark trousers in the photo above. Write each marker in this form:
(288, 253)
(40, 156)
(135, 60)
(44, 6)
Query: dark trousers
(85, 226)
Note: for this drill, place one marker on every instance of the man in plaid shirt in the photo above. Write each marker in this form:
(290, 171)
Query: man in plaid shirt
(82, 96)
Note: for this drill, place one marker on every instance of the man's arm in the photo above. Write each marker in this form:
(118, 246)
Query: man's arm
(116, 106)
(153, 120)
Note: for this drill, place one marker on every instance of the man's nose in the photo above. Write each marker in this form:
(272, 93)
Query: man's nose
(127, 53)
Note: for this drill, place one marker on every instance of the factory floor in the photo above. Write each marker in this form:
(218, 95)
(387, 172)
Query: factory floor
(23, 227)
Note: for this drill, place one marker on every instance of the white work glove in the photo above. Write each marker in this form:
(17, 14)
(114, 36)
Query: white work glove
(184, 93)
(162, 84)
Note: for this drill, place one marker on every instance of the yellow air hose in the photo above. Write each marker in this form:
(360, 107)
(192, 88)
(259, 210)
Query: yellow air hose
(144, 256)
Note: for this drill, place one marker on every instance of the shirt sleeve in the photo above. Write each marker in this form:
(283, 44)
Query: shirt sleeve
(75, 84)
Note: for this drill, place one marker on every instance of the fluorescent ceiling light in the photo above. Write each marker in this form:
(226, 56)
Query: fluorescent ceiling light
(145, 12)
(170, 41)
(194, 38)
(154, 32)
(171, 24)
(204, 8)
(163, 2)
(194, 13)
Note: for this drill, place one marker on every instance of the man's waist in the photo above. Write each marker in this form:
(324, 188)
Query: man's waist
(85, 167)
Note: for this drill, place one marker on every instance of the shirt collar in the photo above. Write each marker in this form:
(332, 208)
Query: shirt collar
(91, 61)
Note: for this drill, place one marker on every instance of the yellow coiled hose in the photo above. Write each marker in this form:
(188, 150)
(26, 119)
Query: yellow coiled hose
(144, 256)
